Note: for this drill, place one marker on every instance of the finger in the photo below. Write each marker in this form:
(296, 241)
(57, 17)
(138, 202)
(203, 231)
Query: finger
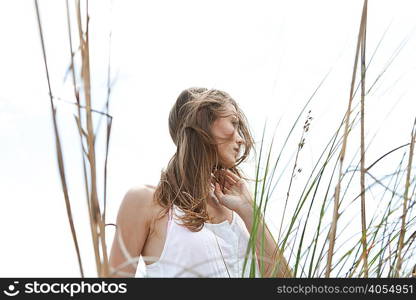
(232, 175)
(213, 179)
(217, 191)
(218, 178)
(227, 188)
(230, 179)
(212, 195)
(228, 184)
(227, 175)
(226, 178)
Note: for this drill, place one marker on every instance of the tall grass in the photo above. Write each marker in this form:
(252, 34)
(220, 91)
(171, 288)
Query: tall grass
(332, 237)
(367, 257)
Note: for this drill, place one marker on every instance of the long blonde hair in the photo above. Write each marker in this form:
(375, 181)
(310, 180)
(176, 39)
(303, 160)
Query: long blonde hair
(186, 180)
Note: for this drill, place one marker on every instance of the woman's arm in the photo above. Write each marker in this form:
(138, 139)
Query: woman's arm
(236, 196)
(275, 264)
(133, 223)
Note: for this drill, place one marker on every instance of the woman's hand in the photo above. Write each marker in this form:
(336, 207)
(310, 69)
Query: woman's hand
(235, 194)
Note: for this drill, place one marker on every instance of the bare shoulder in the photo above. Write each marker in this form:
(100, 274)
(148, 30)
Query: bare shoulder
(134, 221)
(143, 192)
(138, 203)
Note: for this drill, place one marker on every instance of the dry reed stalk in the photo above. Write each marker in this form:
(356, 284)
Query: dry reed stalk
(97, 220)
(76, 93)
(405, 202)
(333, 230)
(58, 145)
(91, 205)
(95, 216)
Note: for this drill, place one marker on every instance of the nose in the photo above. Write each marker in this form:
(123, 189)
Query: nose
(239, 139)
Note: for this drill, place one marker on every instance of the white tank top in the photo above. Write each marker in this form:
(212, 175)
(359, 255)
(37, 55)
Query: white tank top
(197, 254)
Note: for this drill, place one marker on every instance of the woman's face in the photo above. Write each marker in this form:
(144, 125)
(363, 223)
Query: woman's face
(225, 132)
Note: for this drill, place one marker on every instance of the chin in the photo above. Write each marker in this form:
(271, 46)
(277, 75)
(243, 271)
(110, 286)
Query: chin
(225, 164)
(230, 164)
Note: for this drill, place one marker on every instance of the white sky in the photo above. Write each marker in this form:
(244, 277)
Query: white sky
(269, 55)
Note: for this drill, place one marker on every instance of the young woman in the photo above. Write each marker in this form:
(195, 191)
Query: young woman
(198, 220)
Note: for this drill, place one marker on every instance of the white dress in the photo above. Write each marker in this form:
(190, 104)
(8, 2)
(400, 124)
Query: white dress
(217, 250)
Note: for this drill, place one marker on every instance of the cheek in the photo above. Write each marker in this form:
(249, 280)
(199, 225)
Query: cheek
(222, 149)
(223, 133)
(223, 153)
(226, 132)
